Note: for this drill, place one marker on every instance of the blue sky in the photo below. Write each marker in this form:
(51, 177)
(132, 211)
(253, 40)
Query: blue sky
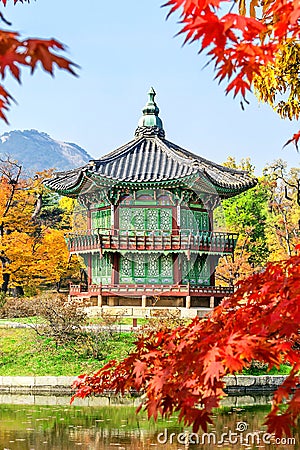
(123, 48)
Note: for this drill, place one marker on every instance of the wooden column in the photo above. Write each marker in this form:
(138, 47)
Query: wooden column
(89, 219)
(176, 257)
(188, 301)
(175, 224)
(176, 269)
(211, 219)
(89, 264)
(116, 216)
(89, 269)
(115, 268)
(112, 218)
(100, 300)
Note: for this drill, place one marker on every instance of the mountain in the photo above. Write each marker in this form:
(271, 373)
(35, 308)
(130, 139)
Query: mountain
(37, 151)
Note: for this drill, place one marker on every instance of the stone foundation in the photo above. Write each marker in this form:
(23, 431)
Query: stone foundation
(146, 312)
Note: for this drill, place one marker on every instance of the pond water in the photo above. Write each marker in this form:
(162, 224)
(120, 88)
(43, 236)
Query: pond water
(52, 424)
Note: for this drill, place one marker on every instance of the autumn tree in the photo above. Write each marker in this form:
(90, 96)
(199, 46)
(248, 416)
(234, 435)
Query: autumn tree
(10, 173)
(266, 218)
(231, 269)
(278, 83)
(33, 250)
(283, 224)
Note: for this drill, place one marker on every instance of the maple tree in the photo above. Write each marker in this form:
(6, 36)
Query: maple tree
(17, 53)
(181, 369)
(252, 44)
(239, 43)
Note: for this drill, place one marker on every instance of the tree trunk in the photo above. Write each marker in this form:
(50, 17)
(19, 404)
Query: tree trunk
(18, 291)
(5, 283)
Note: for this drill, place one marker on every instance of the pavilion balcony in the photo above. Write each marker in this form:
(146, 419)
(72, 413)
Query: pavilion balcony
(157, 240)
(133, 290)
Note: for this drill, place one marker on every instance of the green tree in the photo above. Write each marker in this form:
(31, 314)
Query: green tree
(247, 214)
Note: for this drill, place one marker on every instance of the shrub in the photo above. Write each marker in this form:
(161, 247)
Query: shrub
(17, 307)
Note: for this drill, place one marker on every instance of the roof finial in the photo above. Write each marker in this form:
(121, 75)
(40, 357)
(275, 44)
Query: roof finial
(150, 124)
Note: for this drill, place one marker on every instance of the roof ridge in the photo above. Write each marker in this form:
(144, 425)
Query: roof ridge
(170, 152)
(118, 151)
(207, 161)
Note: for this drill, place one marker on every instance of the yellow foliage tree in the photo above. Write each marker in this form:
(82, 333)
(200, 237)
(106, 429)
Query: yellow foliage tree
(278, 83)
(283, 222)
(31, 251)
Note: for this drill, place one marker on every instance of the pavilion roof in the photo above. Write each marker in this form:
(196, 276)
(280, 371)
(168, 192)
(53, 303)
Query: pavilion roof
(150, 159)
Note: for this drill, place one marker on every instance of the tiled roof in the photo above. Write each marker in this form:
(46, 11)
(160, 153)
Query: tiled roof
(150, 158)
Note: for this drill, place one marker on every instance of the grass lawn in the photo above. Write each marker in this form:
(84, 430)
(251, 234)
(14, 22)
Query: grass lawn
(90, 320)
(22, 353)
(284, 370)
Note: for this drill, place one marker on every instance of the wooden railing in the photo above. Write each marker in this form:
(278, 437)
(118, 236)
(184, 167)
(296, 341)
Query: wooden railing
(160, 240)
(154, 289)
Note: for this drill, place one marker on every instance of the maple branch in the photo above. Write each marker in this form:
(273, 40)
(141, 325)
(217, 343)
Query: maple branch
(4, 20)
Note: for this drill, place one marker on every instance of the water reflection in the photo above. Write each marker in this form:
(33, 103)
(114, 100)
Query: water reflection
(64, 427)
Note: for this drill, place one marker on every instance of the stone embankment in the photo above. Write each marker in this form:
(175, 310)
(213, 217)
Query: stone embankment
(49, 385)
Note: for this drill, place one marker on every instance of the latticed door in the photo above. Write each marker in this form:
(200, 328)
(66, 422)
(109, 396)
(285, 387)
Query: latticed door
(166, 269)
(150, 268)
(139, 268)
(187, 221)
(165, 219)
(204, 272)
(196, 271)
(145, 220)
(202, 220)
(101, 269)
(193, 221)
(125, 215)
(126, 270)
(101, 220)
(188, 270)
(152, 219)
